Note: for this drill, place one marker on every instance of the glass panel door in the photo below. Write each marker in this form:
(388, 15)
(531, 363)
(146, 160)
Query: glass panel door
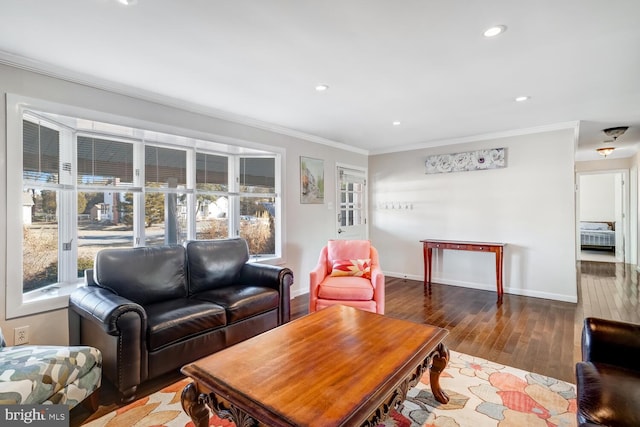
(352, 213)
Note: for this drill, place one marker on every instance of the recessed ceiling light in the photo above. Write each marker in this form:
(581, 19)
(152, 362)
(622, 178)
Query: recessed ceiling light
(396, 123)
(494, 31)
(128, 2)
(523, 98)
(322, 88)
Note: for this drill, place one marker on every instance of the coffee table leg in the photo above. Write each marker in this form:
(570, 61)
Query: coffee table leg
(194, 404)
(439, 361)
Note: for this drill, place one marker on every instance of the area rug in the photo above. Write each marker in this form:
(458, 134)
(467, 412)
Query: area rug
(482, 393)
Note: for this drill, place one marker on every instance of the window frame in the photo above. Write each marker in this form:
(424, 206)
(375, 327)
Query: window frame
(55, 296)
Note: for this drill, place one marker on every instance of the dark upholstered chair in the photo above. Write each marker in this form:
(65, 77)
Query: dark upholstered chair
(608, 378)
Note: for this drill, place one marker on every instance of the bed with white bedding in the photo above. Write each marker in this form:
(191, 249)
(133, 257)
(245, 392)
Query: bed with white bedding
(598, 235)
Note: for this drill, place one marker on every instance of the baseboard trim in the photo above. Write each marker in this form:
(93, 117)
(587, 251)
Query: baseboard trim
(492, 287)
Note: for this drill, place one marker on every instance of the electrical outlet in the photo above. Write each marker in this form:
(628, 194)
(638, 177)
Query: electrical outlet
(21, 335)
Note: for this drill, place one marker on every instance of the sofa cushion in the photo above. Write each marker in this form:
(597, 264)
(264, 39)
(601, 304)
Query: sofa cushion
(607, 395)
(214, 263)
(241, 301)
(346, 288)
(143, 275)
(180, 319)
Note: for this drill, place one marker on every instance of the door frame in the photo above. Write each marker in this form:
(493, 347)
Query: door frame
(365, 209)
(629, 258)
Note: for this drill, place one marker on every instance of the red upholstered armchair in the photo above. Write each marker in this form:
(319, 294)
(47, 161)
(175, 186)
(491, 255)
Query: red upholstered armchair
(348, 273)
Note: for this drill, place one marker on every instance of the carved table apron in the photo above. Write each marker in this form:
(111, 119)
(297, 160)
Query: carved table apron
(336, 367)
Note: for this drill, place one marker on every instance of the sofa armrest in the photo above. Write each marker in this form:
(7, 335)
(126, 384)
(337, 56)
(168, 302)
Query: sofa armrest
(105, 308)
(611, 342)
(278, 278)
(117, 327)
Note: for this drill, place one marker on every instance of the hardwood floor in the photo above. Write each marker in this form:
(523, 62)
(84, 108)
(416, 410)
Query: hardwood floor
(533, 334)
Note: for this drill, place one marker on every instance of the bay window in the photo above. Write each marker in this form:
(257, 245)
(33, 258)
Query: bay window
(86, 185)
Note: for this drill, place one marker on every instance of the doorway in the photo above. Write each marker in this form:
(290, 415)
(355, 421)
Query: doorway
(602, 214)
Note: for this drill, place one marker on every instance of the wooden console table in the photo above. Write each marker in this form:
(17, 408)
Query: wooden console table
(497, 248)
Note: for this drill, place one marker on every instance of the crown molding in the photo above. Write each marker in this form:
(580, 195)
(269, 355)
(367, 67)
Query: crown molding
(71, 76)
(482, 137)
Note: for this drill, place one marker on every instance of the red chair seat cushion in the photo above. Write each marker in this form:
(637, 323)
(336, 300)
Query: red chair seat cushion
(346, 288)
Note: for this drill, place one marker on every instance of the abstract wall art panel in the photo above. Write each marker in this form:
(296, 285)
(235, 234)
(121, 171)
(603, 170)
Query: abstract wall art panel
(493, 158)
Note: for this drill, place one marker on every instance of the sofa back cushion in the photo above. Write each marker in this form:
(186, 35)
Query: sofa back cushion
(143, 275)
(213, 264)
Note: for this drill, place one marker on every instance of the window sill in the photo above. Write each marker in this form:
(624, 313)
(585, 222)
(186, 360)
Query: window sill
(52, 297)
(266, 259)
(51, 291)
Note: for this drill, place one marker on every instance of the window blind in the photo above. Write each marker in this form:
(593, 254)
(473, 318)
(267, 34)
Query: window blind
(257, 175)
(104, 162)
(165, 167)
(40, 152)
(212, 172)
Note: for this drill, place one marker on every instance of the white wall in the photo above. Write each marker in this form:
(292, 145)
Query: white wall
(529, 205)
(307, 227)
(597, 197)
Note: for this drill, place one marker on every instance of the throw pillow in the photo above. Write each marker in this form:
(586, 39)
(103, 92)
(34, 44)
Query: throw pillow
(352, 267)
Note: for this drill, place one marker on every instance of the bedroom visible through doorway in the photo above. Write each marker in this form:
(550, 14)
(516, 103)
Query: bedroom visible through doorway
(602, 216)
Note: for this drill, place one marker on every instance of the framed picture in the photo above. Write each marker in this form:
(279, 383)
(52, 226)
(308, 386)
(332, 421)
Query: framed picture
(311, 180)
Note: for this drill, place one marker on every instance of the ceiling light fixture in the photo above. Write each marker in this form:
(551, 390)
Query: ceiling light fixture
(397, 123)
(128, 2)
(523, 98)
(615, 132)
(495, 30)
(321, 88)
(605, 151)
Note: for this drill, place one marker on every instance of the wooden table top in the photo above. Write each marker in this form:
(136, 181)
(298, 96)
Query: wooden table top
(463, 242)
(329, 368)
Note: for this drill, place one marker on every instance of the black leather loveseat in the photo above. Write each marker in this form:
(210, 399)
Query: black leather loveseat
(608, 378)
(151, 310)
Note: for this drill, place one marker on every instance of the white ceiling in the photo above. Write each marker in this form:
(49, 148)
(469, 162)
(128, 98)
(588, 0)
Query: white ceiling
(422, 62)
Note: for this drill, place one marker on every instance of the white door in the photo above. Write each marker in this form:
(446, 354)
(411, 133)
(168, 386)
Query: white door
(351, 201)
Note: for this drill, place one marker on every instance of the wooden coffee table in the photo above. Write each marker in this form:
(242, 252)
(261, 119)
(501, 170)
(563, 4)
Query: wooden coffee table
(336, 367)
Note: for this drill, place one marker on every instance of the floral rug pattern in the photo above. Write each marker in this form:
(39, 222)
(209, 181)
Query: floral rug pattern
(482, 393)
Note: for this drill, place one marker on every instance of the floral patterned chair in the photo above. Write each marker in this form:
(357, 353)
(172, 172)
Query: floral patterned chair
(35, 374)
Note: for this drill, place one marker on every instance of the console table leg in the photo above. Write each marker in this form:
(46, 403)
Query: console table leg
(427, 254)
(194, 405)
(439, 361)
(499, 274)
